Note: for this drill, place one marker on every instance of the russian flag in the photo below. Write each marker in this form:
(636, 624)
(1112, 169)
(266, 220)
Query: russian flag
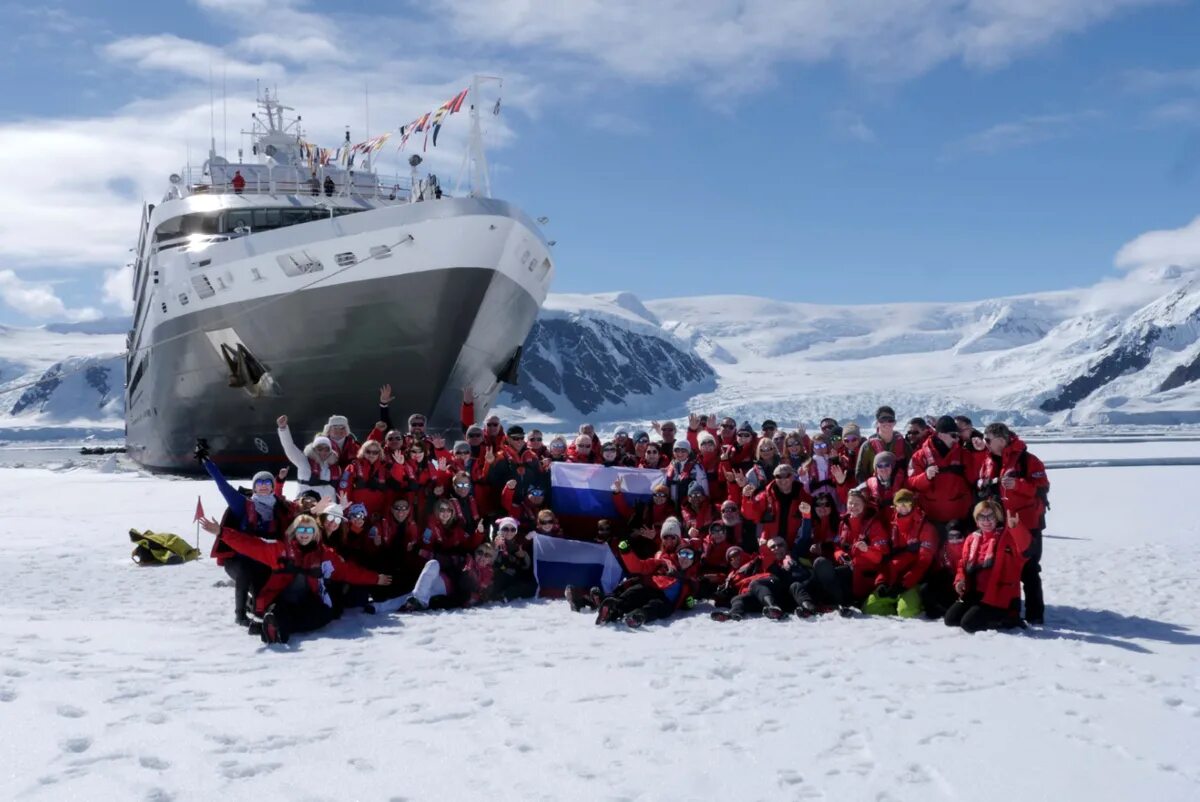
(580, 490)
(558, 562)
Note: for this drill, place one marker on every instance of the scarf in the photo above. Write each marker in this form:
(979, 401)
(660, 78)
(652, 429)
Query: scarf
(264, 505)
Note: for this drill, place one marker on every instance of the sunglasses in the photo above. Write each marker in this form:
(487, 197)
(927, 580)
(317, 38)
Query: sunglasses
(417, 424)
(778, 546)
(785, 476)
(264, 482)
(660, 495)
(886, 420)
(474, 435)
(466, 452)
(306, 530)
(545, 523)
(516, 437)
(727, 425)
(508, 529)
(358, 516)
(687, 554)
(462, 485)
(610, 451)
(535, 439)
(851, 438)
(493, 425)
(745, 435)
(670, 534)
(369, 451)
(820, 446)
(536, 491)
(985, 516)
(680, 450)
(400, 508)
(668, 428)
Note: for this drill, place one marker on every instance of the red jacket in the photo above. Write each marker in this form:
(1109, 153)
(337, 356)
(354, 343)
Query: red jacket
(879, 498)
(949, 496)
(699, 519)
(767, 509)
(287, 559)
(914, 544)
(867, 563)
(663, 575)
(991, 565)
(1025, 499)
(367, 484)
(347, 452)
(644, 514)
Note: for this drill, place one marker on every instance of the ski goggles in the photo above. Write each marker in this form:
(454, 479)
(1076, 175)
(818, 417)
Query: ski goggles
(306, 530)
(687, 554)
(535, 491)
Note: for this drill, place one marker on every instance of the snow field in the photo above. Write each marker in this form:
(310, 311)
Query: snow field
(120, 682)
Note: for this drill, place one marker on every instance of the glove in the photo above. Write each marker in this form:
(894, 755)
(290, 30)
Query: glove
(201, 452)
(623, 546)
(689, 602)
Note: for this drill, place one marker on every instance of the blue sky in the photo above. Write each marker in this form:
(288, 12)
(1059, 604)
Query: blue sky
(836, 152)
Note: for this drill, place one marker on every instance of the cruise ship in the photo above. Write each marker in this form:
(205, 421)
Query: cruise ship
(272, 286)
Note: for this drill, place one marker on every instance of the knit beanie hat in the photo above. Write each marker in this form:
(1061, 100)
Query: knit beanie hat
(671, 526)
(263, 476)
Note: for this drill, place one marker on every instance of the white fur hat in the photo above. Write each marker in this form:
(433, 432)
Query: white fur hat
(338, 420)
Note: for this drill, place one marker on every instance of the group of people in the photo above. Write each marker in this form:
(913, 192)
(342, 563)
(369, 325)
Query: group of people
(941, 520)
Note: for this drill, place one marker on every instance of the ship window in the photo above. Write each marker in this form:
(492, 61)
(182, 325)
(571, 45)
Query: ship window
(346, 259)
(137, 374)
(183, 299)
(267, 218)
(240, 218)
(187, 224)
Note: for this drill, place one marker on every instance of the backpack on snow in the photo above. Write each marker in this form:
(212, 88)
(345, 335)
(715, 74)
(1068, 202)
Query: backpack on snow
(161, 548)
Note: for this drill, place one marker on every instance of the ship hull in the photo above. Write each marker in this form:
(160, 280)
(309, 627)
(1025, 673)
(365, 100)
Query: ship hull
(429, 331)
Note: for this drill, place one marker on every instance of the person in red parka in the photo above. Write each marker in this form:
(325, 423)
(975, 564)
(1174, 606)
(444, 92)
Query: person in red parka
(1019, 479)
(776, 509)
(988, 580)
(937, 472)
(880, 489)
(714, 560)
(913, 544)
(365, 480)
(846, 576)
(295, 599)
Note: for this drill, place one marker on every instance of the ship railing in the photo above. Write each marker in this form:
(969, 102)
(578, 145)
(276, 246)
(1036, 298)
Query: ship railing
(376, 186)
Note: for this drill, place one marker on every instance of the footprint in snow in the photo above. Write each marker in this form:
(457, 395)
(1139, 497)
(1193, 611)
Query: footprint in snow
(7, 694)
(71, 711)
(154, 763)
(76, 745)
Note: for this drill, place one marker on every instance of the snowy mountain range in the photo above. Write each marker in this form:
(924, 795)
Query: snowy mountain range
(1124, 352)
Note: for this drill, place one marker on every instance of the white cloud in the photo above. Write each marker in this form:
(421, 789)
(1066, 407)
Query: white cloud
(38, 300)
(1020, 133)
(737, 46)
(1159, 249)
(191, 58)
(118, 288)
(851, 125)
(1185, 111)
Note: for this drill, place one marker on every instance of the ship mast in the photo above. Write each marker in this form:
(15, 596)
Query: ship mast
(481, 185)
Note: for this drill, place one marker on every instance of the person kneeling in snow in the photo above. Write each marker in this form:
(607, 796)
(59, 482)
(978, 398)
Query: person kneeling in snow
(988, 581)
(294, 598)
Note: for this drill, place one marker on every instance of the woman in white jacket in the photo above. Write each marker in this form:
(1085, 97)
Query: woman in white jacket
(316, 466)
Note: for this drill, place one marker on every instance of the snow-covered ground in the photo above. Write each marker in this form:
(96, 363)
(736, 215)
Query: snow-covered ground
(120, 682)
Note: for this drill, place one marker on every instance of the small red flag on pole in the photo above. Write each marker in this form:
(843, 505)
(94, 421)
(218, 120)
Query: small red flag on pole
(196, 519)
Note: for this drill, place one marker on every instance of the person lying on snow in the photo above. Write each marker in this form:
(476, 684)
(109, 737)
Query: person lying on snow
(294, 598)
(988, 581)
